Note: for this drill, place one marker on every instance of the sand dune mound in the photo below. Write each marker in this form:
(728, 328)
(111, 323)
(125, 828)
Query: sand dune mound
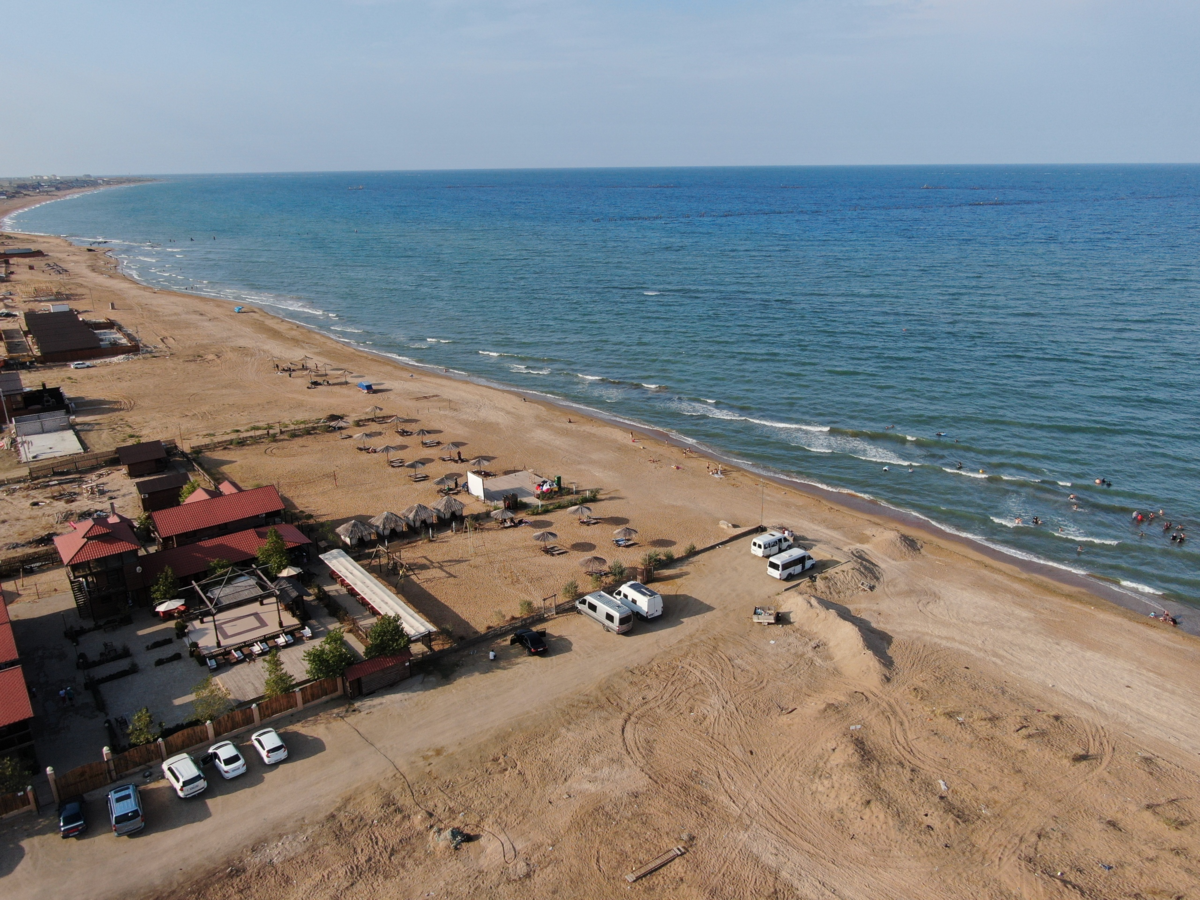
(896, 545)
(858, 650)
(859, 573)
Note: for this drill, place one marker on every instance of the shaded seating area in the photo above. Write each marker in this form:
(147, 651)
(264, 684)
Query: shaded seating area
(367, 589)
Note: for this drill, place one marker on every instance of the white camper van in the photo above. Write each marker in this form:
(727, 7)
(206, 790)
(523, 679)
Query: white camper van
(639, 600)
(770, 544)
(606, 610)
(793, 562)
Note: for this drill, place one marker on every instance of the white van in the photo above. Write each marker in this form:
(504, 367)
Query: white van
(606, 610)
(770, 544)
(784, 565)
(639, 600)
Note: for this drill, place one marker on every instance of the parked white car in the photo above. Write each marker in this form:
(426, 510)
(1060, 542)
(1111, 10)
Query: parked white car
(270, 746)
(82, 365)
(184, 775)
(228, 759)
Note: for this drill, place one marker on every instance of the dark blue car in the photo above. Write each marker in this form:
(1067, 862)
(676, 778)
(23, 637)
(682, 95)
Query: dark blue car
(71, 819)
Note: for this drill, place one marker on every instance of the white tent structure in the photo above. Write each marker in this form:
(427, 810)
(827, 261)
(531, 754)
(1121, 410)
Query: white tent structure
(379, 599)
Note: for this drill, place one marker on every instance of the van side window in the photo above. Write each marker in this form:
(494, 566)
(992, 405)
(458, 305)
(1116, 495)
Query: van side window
(609, 616)
(591, 606)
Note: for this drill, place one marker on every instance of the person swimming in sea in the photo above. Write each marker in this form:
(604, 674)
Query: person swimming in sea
(958, 466)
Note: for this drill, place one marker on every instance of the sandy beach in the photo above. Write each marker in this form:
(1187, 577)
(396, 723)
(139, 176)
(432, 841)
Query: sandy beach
(936, 720)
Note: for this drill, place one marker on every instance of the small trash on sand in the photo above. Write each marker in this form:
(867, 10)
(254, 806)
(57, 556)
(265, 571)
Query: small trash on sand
(943, 785)
(855, 727)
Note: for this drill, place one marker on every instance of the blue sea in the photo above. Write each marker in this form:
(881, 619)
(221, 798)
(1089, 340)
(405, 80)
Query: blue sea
(976, 345)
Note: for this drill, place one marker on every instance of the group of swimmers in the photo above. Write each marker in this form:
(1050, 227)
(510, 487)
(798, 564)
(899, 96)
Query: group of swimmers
(1178, 536)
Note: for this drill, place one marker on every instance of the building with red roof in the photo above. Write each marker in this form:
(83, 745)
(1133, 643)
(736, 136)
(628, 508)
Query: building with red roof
(216, 516)
(95, 552)
(191, 560)
(16, 712)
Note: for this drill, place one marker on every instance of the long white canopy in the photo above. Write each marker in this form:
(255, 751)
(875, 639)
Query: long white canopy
(379, 598)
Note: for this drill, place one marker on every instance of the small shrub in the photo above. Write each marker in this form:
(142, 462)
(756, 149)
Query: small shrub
(597, 581)
(13, 775)
(570, 590)
(651, 560)
(617, 571)
(526, 608)
(668, 557)
(278, 681)
(211, 701)
(188, 489)
(689, 549)
(141, 728)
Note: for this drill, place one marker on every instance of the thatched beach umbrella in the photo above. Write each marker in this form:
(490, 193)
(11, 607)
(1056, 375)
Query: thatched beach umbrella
(354, 531)
(456, 445)
(479, 462)
(419, 514)
(584, 512)
(389, 449)
(450, 478)
(374, 411)
(545, 537)
(594, 565)
(503, 514)
(449, 507)
(387, 522)
(625, 533)
(361, 436)
(424, 432)
(416, 465)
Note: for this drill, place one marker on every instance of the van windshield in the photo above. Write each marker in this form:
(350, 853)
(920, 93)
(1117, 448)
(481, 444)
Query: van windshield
(772, 565)
(625, 619)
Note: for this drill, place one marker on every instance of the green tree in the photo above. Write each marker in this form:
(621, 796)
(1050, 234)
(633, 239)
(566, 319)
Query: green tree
(570, 590)
(386, 637)
(617, 571)
(278, 681)
(219, 565)
(13, 775)
(211, 701)
(141, 728)
(273, 555)
(330, 658)
(188, 489)
(165, 587)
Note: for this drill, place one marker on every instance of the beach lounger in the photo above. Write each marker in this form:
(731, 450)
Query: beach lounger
(288, 639)
(307, 632)
(396, 463)
(623, 542)
(433, 442)
(420, 476)
(281, 641)
(212, 664)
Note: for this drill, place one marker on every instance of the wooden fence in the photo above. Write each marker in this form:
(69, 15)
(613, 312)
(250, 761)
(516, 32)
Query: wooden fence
(15, 803)
(133, 758)
(310, 693)
(12, 565)
(181, 740)
(256, 435)
(276, 705)
(84, 778)
(233, 721)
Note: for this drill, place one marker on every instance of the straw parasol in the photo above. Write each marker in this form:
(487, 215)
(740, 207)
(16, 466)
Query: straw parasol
(456, 445)
(594, 565)
(354, 531)
(419, 514)
(361, 436)
(374, 411)
(424, 432)
(503, 514)
(479, 462)
(625, 533)
(290, 572)
(448, 479)
(387, 522)
(584, 512)
(449, 507)
(389, 449)
(545, 537)
(415, 465)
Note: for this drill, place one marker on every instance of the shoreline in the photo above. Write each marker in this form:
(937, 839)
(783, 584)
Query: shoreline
(842, 500)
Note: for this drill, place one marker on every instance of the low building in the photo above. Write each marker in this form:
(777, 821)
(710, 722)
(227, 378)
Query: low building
(59, 337)
(96, 553)
(216, 516)
(16, 711)
(161, 492)
(372, 675)
(141, 459)
(192, 560)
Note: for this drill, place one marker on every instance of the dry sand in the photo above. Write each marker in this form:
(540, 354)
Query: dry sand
(965, 728)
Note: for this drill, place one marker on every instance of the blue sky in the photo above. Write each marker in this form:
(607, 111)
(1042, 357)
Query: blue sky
(260, 85)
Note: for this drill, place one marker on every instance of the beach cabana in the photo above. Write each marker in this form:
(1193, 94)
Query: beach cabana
(448, 508)
(354, 531)
(387, 522)
(419, 514)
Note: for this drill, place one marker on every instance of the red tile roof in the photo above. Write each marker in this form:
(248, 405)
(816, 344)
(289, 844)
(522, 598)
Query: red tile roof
(193, 559)
(14, 697)
(378, 664)
(217, 511)
(229, 487)
(8, 644)
(96, 539)
(201, 494)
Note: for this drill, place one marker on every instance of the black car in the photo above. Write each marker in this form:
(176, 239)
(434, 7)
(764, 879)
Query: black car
(71, 820)
(531, 640)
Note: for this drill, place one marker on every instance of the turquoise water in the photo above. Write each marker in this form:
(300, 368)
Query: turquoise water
(822, 323)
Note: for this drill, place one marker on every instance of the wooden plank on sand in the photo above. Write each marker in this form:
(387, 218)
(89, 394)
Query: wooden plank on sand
(655, 865)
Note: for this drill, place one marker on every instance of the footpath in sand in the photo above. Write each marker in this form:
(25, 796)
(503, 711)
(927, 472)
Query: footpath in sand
(928, 722)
